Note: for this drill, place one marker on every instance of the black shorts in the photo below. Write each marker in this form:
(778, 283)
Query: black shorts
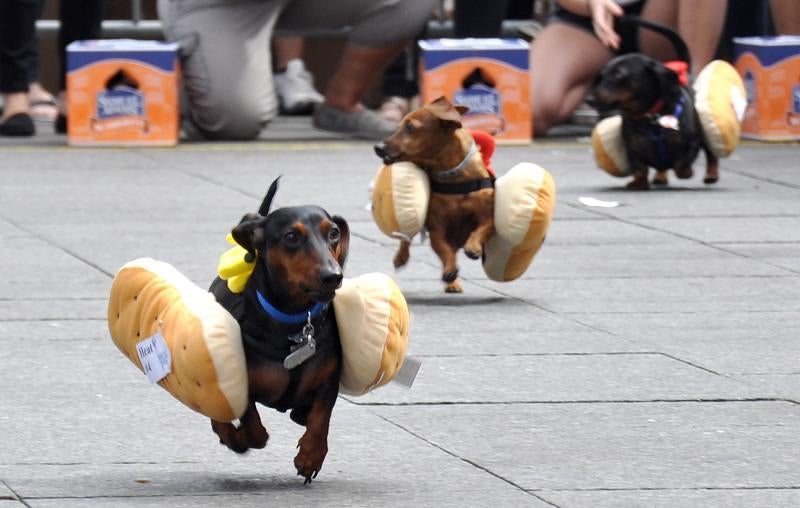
(628, 33)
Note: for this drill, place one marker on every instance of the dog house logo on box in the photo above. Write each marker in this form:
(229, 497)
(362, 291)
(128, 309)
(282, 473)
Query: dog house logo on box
(488, 76)
(484, 103)
(120, 106)
(793, 116)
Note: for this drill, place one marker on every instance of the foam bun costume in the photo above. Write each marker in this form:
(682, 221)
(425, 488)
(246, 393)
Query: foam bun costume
(523, 207)
(720, 101)
(208, 368)
(400, 199)
(373, 321)
(609, 149)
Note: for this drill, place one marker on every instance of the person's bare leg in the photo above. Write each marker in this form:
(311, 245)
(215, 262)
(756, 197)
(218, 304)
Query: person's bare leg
(15, 103)
(564, 61)
(286, 49)
(699, 23)
(786, 16)
(357, 70)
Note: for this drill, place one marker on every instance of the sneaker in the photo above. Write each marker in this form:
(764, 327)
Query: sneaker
(363, 123)
(295, 89)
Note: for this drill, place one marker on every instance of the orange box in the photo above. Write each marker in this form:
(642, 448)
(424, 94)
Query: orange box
(489, 76)
(770, 69)
(122, 92)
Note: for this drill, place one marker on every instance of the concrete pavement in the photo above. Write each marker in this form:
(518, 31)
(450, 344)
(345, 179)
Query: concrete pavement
(648, 358)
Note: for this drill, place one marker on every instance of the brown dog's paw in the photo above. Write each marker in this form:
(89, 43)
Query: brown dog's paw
(453, 287)
(709, 179)
(400, 260)
(309, 459)
(684, 173)
(473, 253)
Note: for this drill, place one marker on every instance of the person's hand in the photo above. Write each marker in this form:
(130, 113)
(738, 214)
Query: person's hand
(603, 13)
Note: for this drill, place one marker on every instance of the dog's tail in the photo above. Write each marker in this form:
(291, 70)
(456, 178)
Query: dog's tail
(669, 33)
(267, 202)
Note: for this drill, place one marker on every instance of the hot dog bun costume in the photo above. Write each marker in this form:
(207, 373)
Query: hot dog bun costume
(720, 102)
(523, 207)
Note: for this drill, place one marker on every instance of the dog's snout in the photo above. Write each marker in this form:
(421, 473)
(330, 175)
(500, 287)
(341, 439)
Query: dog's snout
(331, 278)
(380, 149)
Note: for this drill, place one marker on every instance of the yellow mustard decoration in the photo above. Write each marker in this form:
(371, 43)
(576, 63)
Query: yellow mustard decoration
(233, 267)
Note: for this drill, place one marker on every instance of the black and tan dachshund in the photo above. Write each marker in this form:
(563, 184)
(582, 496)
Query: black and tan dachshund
(289, 330)
(660, 126)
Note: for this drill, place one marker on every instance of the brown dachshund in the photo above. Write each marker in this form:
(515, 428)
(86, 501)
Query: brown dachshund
(461, 208)
(289, 331)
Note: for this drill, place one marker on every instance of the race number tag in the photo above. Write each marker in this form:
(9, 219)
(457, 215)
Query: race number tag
(155, 357)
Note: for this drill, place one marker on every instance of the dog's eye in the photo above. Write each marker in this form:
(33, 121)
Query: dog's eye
(291, 238)
(409, 128)
(334, 235)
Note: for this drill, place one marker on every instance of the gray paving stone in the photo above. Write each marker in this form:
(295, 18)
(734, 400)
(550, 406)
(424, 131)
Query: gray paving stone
(784, 255)
(765, 341)
(53, 309)
(732, 229)
(726, 498)
(778, 385)
(736, 445)
(184, 460)
(661, 293)
(547, 378)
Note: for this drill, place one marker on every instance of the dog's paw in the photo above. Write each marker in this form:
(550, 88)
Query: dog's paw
(453, 287)
(399, 261)
(637, 184)
(684, 173)
(309, 459)
(709, 179)
(660, 179)
(473, 253)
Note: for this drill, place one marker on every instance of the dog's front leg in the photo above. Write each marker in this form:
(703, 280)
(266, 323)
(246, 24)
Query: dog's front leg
(447, 254)
(403, 254)
(478, 238)
(249, 434)
(313, 444)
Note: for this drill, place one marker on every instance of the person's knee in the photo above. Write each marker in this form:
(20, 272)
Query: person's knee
(545, 109)
(231, 117)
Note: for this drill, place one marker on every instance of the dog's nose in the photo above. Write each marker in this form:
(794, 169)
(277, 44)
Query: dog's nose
(331, 278)
(380, 149)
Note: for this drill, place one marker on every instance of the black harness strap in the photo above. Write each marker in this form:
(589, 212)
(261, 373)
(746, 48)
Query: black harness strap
(461, 187)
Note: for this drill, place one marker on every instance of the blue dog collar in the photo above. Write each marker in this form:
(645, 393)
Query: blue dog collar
(289, 319)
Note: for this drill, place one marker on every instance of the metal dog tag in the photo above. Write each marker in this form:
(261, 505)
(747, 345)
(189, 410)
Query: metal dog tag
(303, 352)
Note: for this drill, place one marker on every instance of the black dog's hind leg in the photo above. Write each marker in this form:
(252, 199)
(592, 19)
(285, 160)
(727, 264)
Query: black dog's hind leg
(712, 167)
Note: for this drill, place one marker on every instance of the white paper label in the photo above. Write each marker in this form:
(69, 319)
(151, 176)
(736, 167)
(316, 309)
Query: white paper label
(408, 371)
(155, 357)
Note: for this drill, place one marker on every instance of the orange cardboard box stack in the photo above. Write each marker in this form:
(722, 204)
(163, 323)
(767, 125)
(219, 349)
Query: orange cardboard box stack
(770, 69)
(122, 92)
(489, 76)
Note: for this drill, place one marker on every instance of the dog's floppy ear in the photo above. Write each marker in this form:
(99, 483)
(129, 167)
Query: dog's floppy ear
(668, 80)
(344, 240)
(267, 202)
(250, 232)
(449, 116)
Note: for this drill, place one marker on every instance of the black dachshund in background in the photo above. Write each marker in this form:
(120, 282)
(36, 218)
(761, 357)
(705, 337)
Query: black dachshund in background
(660, 125)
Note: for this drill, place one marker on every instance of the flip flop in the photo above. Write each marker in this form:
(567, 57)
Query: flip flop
(44, 109)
